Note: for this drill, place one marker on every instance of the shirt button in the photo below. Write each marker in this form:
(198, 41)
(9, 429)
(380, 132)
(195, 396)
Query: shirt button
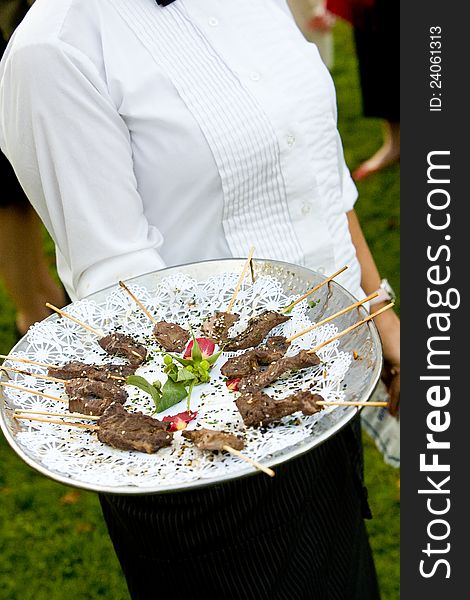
(255, 76)
(306, 208)
(290, 140)
(321, 270)
(213, 22)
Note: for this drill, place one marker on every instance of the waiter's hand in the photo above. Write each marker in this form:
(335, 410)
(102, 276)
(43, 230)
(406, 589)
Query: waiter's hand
(388, 325)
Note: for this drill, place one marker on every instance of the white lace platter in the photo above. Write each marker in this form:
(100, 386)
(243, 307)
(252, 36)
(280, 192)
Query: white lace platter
(76, 457)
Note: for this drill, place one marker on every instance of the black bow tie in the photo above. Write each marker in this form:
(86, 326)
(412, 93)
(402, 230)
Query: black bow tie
(164, 2)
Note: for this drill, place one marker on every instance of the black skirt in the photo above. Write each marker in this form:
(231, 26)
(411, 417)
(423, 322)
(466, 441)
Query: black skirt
(377, 38)
(299, 535)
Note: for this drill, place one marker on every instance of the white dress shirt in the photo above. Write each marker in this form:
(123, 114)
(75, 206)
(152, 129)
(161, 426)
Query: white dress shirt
(148, 136)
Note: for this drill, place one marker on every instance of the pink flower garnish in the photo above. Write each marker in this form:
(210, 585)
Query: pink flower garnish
(180, 421)
(207, 348)
(232, 384)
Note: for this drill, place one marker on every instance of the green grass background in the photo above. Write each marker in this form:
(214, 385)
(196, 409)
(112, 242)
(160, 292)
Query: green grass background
(53, 542)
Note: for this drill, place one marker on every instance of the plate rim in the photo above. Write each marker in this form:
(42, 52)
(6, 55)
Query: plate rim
(297, 450)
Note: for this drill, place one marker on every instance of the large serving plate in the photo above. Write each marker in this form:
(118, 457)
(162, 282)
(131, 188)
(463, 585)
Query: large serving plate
(186, 294)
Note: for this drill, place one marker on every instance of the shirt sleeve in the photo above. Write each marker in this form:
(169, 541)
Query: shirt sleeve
(71, 151)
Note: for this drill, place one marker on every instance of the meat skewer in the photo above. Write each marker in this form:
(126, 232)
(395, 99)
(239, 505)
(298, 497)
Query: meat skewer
(250, 361)
(114, 343)
(123, 430)
(105, 372)
(75, 370)
(211, 439)
(28, 373)
(95, 398)
(208, 439)
(216, 327)
(257, 409)
(275, 348)
(314, 289)
(171, 336)
(257, 329)
(261, 379)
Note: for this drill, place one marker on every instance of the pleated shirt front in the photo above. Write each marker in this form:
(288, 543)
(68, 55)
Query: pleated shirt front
(150, 136)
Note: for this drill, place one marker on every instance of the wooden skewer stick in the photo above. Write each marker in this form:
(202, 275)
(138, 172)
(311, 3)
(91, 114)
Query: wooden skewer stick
(25, 360)
(314, 289)
(345, 331)
(30, 391)
(138, 302)
(57, 422)
(341, 312)
(49, 378)
(28, 411)
(240, 279)
(98, 333)
(326, 403)
(247, 459)
(38, 375)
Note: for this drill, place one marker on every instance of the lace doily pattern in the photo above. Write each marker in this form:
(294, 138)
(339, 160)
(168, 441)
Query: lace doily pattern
(77, 454)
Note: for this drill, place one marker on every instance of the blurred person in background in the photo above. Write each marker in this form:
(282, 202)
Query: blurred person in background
(316, 23)
(24, 267)
(376, 26)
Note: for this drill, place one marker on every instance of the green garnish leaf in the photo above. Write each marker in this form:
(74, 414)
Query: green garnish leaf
(184, 361)
(154, 390)
(213, 358)
(184, 375)
(172, 393)
(196, 354)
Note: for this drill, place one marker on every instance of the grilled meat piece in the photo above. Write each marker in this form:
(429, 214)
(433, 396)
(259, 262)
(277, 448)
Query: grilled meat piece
(171, 336)
(123, 345)
(208, 439)
(75, 370)
(274, 371)
(89, 406)
(92, 397)
(132, 431)
(258, 328)
(248, 362)
(259, 410)
(273, 350)
(216, 328)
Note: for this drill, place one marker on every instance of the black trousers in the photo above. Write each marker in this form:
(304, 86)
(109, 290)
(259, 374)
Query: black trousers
(377, 39)
(299, 535)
